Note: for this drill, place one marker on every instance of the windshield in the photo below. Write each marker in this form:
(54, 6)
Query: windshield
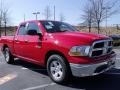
(54, 26)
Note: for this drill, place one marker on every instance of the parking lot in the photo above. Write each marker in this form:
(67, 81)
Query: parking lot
(27, 76)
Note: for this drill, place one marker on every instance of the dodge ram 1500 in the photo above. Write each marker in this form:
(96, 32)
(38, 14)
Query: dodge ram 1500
(59, 47)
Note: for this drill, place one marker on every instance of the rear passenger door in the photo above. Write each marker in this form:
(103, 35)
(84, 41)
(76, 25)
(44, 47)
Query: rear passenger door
(19, 40)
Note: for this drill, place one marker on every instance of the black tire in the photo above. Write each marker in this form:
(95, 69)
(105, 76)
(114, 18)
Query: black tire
(8, 56)
(55, 72)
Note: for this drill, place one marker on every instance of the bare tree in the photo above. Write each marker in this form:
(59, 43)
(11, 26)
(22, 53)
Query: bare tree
(100, 10)
(1, 12)
(4, 16)
(62, 17)
(87, 16)
(47, 13)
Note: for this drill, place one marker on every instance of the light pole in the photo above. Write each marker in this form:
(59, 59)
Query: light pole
(36, 14)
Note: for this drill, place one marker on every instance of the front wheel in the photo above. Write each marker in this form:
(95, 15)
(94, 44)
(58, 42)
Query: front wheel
(58, 69)
(8, 56)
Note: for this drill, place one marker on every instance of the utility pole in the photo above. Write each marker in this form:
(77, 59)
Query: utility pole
(1, 12)
(24, 17)
(5, 27)
(106, 10)
(106, 18)
(0, 23)
(5, 22)
(54, 12)
(36, 14)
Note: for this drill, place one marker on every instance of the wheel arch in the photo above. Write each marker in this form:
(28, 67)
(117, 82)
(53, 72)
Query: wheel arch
(68, 69)
(4, 46)
(51, 52)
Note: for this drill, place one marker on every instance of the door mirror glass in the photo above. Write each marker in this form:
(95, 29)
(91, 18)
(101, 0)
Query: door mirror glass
(39, 34)
(32, 32)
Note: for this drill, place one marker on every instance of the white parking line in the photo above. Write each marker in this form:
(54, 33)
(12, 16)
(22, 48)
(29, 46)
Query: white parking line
(117, 67)
(118, 58)
(33, 69)
(39, 87)
(7, 78)
(24, 68)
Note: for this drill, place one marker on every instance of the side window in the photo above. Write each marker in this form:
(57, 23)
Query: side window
(33, 26)
(22, 30)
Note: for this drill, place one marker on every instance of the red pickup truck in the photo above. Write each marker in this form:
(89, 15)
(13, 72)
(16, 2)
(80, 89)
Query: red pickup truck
(60, 48)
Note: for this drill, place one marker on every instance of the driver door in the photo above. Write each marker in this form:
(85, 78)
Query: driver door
(32, 43)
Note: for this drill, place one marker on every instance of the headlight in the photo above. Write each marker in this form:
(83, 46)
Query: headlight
(79, 51)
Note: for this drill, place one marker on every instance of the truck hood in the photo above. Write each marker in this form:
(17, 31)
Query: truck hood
(82, 37)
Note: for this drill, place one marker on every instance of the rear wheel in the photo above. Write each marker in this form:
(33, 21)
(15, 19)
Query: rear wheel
(8, 56)
(58, 69)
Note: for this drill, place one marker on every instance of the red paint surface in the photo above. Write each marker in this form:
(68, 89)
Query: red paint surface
(61, 42)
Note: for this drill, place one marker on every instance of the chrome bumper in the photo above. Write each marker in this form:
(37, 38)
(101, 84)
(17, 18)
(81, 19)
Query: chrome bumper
(83, 70)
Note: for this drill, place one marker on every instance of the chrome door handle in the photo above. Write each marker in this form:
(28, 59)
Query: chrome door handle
(26, 41)
(37, 46)
(16, 40)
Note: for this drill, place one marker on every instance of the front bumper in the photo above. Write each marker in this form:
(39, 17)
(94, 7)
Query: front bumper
(82, 70)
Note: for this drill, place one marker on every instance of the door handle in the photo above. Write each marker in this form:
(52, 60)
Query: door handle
(37, 46)
(16, 40)
(26, 41)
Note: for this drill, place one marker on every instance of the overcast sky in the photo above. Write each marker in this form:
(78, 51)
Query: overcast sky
(71, 9)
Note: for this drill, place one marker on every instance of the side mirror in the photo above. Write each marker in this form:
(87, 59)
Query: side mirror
(63, 30)
(32, 32)
(39, 34)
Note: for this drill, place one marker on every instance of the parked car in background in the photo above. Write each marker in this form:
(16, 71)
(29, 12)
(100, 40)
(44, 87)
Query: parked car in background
(116, 40)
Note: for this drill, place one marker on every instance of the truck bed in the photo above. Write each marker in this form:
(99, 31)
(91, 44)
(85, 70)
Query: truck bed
(8, 40)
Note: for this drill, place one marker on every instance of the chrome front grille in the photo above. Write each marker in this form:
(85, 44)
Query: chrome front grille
(101, 47)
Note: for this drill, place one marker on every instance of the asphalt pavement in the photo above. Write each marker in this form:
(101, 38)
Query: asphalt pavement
(26, 76)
